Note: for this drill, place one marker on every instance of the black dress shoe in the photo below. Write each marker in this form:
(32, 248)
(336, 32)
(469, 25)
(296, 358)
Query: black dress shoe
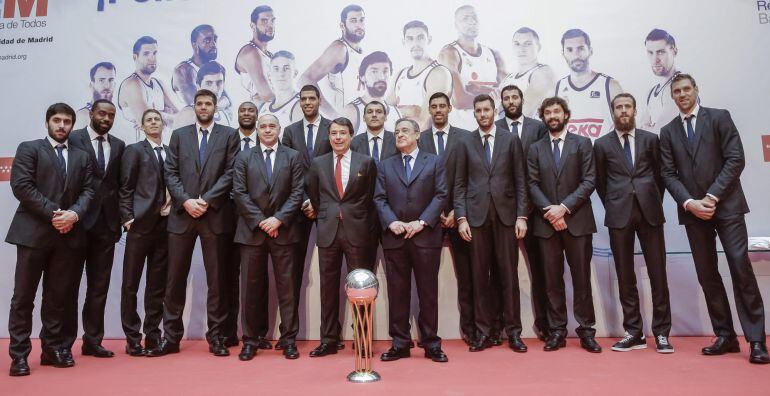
(590, 344)
(163, 348)
(135, 350)
(341, 345)
(436, 354)
(19, 367)
(323, 350)
(263, 343)
(280, 345)
(55, 358)
(722, 345)
(218, 348)
(67, 355)
(480, 344)
(759, 353)
(96, 350)
(231, 342)
(555, 341)
(495, 340)
(541, 332)
(290, 351)
(517, 344)
(394, 354)
(247, 352)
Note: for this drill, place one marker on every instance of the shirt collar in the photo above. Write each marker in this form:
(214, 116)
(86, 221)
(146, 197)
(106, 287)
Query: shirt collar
(631, 133)
(54, 143)
(370, 135)
(315, 123)
(445, 130)
(491, 131)
(413, 154)
(694, 113)
(252, 136)
(153, 144)
(520, 120)
(273, 147)
(346, 156)
(562, 136)
(198, 127)
(92, 134)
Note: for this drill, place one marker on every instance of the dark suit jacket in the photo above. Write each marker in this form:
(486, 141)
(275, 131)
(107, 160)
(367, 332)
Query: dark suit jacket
(454, 137)
(502, 182)
(257, 199)
(37, 184)
(571, 184)
(106, 183)
(142, 190)
(188, 178)
(713, 165)
(531, 131)
(294, 137)
(617, 184)
(422, 198)
(360, 144)
(356, 206)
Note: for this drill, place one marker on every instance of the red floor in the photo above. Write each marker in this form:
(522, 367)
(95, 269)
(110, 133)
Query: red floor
(570, 371)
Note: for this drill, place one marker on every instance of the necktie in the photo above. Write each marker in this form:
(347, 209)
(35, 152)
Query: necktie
(556, 153)
(408, 167)
(690, 130)
(309, 141)
(441, 147)
(100, 153)
(627, 150)
(487, 149)
(338, 175)
(515, 128)
(202, 149)
(268, 166)
(246, 145)
(62, 164)
(376, 149)
(161, 169)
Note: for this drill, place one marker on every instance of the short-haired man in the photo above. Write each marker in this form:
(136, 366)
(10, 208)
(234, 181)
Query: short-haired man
(535, 79)
(102, 86)
(659, 107)
(374, 73)
(285, 103)
(203, 40)
(211, 76)
(253, 58)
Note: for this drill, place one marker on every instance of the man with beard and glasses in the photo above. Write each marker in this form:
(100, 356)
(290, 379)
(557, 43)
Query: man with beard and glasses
(211, 76)
(374, 72)
(141, 91)
(102, 87)
(53, 182)
(561, 177)
(340, 62)
(659, 107)
(415, 83)
(253, 59)
(203, 40)
(476, 69)
(588, 92)
(285, 105)
(535, 79)
(629, 183)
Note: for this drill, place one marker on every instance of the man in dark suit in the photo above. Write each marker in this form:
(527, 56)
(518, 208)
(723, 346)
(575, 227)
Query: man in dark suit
(199, 178)
(340, 185)
(53, 182)
(309, 137)
(268, 190)
(443, 140)
(491, 207)
(561, 176)
(702, 157)
(410, 197)
(529, 130)
(629, 184)
(144, 208)
(102, 225)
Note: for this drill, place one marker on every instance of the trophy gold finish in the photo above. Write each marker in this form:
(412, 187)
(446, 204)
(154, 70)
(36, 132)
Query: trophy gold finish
(361, 287)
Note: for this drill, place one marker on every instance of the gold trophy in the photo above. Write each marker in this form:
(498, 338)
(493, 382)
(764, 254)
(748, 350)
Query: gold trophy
(361, 287)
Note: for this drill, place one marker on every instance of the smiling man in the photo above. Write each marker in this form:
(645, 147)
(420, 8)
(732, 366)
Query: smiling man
(203, 41)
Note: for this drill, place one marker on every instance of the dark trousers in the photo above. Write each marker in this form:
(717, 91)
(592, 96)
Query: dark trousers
(299, 253)
(538, 291)
(214, 248)
(152, 247)
(55, 265)
(495, 249)
(748, 301)
(653, 246)
(254, 291)
(232, 274)
(399, 264)
(579, 251)
(462, 264)
(330, 267)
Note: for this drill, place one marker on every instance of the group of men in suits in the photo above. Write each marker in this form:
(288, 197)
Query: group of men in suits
(510, 183)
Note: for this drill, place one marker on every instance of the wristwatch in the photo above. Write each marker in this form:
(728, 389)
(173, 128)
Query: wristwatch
(423, 223)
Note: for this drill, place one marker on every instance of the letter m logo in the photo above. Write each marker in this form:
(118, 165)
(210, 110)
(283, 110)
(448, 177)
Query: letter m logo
(25, 8)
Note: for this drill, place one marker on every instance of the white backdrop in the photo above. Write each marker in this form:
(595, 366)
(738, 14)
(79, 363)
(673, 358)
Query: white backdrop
(720, 42)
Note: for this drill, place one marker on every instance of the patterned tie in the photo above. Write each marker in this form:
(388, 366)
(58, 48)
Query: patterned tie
(515, 128)
(408, 168)
(441, 147)
(487, 149)
(246, 145)
(100, 153)
(268, 166)
(376, 149)
(202, 148)
(690, 130)
(627, 150)
(556, 153)
(338, 176)
(309, 141)
(62, 164)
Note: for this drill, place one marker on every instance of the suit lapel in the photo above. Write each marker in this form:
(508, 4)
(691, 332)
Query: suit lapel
(398, 168)
(330, 164)
(280, 158)
(702, 124)
(323, 129)
(428, 145)
(355, 166)
(388, 145)
(500, 140)
(213, 138)
(619, 149)
(53, 157)
(149, 151)
(258, 156)
(192, 145)
(113, 153)
(569, 148)
(419, 164)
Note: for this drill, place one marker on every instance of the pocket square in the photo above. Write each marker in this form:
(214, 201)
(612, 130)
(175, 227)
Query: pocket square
(359, 174)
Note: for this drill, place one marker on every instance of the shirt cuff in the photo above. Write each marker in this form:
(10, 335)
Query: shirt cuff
(686, 202)
(128, 222)
(522, 217)
(77, 218)
(713, 197)
(461, 219)
(565, 207)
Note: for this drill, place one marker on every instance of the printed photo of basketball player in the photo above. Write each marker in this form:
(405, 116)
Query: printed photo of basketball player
(338, 64)
(589, 93)
(102, 87)
(285, 104)
(535, 79)
(659, 108)
(210, 76)
(141, 91)
(414, 84)
(476, 69)
(203, 40)
(374, 72)
(253, 59)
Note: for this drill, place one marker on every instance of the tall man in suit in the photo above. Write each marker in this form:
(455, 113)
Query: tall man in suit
(629, 184)
(444, 140)
(529, 130)
(144, 208)
(268, 190)
(491, 207)
(199, 179)
(409, 195)
(340, 185)
(53, 182)
(102, 225)
(702, 159)
(309, 137)
(561, 176)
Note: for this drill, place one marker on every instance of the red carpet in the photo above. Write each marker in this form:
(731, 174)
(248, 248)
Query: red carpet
(570, 371)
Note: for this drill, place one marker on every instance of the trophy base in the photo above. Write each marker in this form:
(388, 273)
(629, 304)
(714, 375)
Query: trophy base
(362, 377)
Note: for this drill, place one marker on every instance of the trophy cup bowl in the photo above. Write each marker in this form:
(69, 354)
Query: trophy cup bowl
(361, 287)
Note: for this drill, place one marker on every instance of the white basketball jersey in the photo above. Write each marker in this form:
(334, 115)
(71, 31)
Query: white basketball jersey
(282, 112)
(152, 94)
(590, 108)
(390, 119)
(657, 99)
(343, 84)
(195, 74)
(478, 69)
(410, 90)
(246, 81)
(223, 117)
(520, 80)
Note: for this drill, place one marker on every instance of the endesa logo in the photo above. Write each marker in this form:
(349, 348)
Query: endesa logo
(101, 3)
(25, 8)
(589, 127)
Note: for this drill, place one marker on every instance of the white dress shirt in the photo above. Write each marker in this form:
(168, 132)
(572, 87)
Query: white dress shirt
(435, 136)
(520, 120)
(370, 138)
(413, 154)
(491, 138)
(166, 208)
(95, 144)
(274, 147)
(253, 139)
(66, 144)
(316, 125)
(198, 128)
(631, 142)
(345, 167)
